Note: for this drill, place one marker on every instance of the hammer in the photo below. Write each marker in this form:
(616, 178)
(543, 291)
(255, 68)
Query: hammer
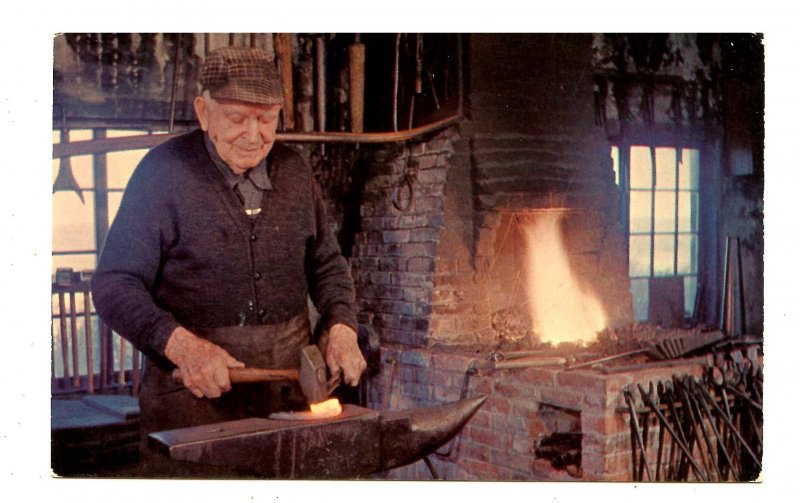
(312, 375)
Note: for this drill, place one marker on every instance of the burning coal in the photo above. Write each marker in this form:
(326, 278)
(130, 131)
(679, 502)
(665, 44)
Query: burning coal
(562, 309)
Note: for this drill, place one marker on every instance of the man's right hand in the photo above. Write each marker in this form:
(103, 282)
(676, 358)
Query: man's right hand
(203, 365)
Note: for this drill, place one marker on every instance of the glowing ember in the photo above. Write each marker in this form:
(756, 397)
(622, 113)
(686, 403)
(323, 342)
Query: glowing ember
(562, 309)
(328, 408)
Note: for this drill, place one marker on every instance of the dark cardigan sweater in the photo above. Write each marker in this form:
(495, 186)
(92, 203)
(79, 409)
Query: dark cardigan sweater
(182, 251)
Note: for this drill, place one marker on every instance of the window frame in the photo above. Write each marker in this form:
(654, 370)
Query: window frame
(622, 161)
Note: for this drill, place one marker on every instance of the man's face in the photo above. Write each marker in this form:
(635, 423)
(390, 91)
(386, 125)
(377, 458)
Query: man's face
(243, 133)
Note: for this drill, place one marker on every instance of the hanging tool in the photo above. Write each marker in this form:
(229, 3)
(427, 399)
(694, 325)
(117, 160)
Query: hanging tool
(283, 49)
(732, 312)
(320, 90)
(174, 95)
(417, 79)
(396, 81)
(65, 178)
(409, 177)
(356, 58)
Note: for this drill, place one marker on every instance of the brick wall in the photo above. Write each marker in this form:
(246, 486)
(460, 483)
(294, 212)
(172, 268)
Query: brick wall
(395, 251)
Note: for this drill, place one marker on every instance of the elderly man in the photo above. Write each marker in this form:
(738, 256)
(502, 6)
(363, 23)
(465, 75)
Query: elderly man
(220, 239)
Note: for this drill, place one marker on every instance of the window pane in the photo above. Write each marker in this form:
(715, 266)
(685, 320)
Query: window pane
(615, 163)
(641, 168)
(665, 168)
(687, 254)
(689, 170)
(58, 361)
(639, 256)
(687, 211)
(664, 255)
(121, 166)
(80, 134)
(689, 294)
(640, 291)
(665, 212)
(81, 262)
(640, 211)
(73, 221)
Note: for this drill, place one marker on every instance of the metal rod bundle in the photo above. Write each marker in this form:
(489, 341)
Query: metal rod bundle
(706, 428)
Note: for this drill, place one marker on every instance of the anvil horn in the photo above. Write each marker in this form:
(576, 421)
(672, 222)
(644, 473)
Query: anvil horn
(358, 442)
(407, 436)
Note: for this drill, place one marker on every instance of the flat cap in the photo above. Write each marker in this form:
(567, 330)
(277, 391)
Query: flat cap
(242, 74)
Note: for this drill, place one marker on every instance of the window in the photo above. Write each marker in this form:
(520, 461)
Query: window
(80, 226)
(660, 204)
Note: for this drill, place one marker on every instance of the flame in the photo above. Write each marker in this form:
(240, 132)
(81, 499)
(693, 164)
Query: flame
(561, 308)
(328, 408)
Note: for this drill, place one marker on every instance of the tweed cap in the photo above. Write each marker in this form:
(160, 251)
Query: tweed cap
(242, 74)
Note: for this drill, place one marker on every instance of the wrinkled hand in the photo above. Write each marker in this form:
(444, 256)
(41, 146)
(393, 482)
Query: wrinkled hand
(343, 355)
(203, 365)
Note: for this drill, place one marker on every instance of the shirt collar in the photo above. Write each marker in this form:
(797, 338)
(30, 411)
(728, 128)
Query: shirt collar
(258, 174)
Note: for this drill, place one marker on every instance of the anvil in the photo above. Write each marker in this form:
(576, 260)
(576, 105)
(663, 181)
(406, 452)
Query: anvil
(356, 443)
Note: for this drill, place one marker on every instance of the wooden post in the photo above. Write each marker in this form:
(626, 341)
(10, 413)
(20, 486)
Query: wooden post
(62, 319)
(87, 321)
(121, 361)
(104, 356)
(357, 56)
(283, 49)
(73, 324)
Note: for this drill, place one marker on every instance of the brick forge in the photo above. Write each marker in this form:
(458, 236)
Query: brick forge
(525, 407)
(438, 257)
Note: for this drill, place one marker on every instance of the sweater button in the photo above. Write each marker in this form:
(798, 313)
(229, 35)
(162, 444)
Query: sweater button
(257, 276)
(253, 237)
(261, 313)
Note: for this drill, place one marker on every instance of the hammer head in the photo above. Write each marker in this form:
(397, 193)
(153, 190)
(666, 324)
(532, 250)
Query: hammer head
(313, 374)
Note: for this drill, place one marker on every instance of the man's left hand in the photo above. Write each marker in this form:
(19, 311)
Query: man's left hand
(343, 355)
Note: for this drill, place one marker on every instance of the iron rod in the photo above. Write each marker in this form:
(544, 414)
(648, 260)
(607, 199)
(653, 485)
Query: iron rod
(174, 97)
(639, 440)
(730, 425)
(717, 432)
(672, 432)
(89, 147)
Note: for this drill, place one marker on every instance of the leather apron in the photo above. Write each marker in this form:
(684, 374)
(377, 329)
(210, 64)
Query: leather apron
(166, 404)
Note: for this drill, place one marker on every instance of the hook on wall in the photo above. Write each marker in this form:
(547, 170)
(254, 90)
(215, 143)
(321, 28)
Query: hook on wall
(65, 178)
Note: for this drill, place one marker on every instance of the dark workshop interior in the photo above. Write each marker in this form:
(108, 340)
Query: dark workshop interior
(570, 225)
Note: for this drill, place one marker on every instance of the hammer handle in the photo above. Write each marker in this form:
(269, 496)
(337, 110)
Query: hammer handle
(247, 374)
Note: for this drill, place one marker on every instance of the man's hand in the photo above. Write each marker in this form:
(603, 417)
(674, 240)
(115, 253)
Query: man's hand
(203, 365)
(343, 355)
